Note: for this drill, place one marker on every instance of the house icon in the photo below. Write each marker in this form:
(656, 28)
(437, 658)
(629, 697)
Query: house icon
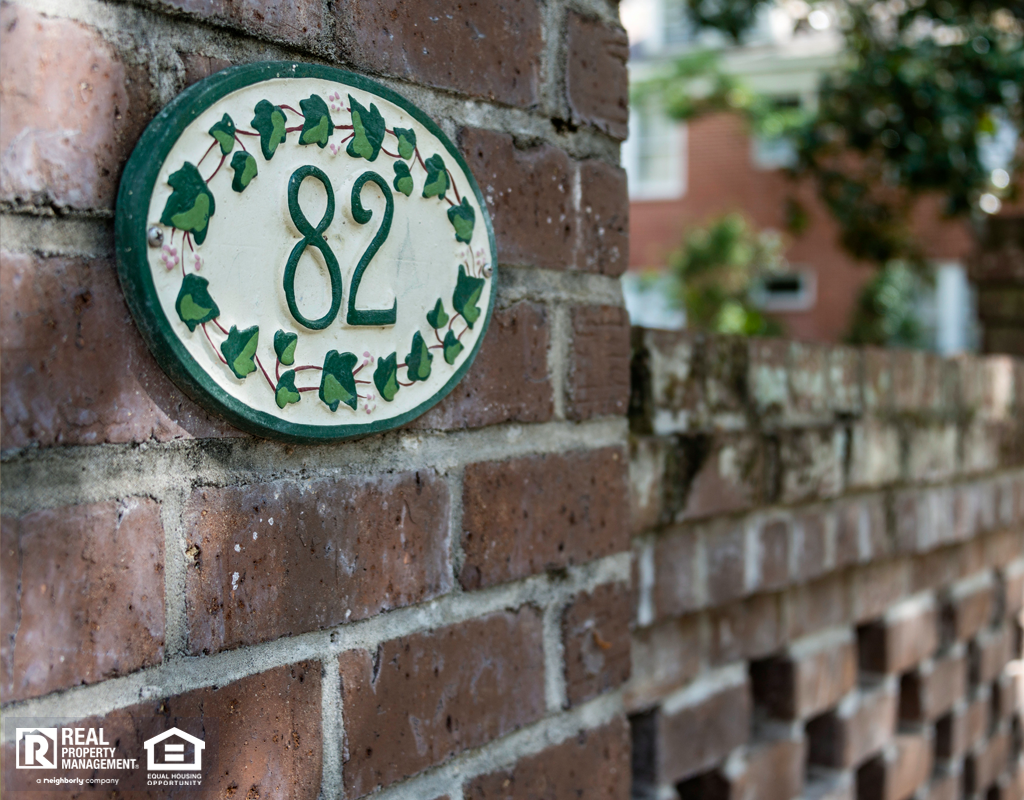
(174, 750)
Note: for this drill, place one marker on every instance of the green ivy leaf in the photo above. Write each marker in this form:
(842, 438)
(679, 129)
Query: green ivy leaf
(462, 217)
(317, 126)
(337, 383)
(224, 133)
(418, 360)
(467, 293)
(385, 377)
(270, 122)
(239, 349)
(244, 166)
(191, 204)
(286, 392)
(452, 347)
(284, 346)
(403, 178)
(437, 177)
(406, 142)
(194, 304)
(437, 318)
(368, 127)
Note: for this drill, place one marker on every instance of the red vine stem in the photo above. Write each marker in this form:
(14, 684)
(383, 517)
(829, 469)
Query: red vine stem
(266, 375)
(455, 188)
(240, 142)
(293, 111)
(307, 388)
(215, 350)
(293, 128)
(308, 366)
(208, 149)
(221, 164)
(246, 133)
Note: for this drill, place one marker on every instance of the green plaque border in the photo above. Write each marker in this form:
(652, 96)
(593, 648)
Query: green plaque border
(134, 271)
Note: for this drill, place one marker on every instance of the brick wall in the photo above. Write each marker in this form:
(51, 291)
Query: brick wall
(441, 611)
(829, 572)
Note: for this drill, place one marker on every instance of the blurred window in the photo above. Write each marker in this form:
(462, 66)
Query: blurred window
(654, 155)
(786, 291)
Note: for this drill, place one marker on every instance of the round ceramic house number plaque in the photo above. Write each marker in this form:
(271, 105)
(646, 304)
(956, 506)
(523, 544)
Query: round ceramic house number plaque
(305, 252)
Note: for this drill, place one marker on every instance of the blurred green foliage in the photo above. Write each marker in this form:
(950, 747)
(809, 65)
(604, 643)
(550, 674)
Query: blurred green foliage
(886, 310)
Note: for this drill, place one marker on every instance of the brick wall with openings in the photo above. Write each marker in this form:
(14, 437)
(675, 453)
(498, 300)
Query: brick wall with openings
(828, 572)
(437, 612)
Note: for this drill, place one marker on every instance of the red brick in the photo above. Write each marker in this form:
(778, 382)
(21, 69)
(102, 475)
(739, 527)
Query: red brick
(717, 475)
(771, 770)
(907, 634)
(281, 559)
(956, 733)
(1007, 694)
(508, 381)
(84, 589)
(423, 698)
(942, 787)
(985, 765)
(694, 731)
(772, 555)
(263, 736)
(810, 531)
(531, 514)
(812, 676)
(298, 22)
(725, 546)
(529, 196)
(877, 586)
(75, 368)
(750, 628)
(55, 70)
(990, 652)
(604, 219)
(898, 773)
(596, 79)
(488, 50)
(676, 590)
(858, 728)
(1013, 589)
(198, 66)
(598, 363)
(969, 608)
(815, 606)
(592, 764)
(595, 630)
(861, 530)
(665, 657)
(932, 690)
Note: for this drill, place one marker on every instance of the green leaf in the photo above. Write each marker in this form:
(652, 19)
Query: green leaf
(406, 142)
(462, 217)
(194, 304)
(284, 346)
(286, 392)
(191, 204)
(437, 318)
(385, 377)
(403, 178)
(224, 133)
(244, 166)
(337, 383)
(467, 293)
(437, 177)
(418, 360)
(239, 349)
(452, 347)
(270, 122)
(368, 127)
(317, 126)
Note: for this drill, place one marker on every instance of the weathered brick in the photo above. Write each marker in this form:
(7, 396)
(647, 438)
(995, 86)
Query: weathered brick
(647, 455)
(604, 219)
(595, 630)
(598, 382)
(676, 590)
(969, 608)
(907, 634)
(281, 559)
(708, 476)
(693, 730)
(55, 70)
(508, 381)
(989, 653)
(898, 773)
(423, 698)
(596, 80)
(487, 50)
(725, 546)
(767, 377)
(665, 657)
(83, 595)
(844, 366)
(932, 452)
(878, 379)
(861, 530)
(263, 737)
(527, 515)
(810, 677)
(75, 368)
(304, 23)
(529, 196)
(769, 770)
(878, 585)
(862, 724)
(812, 607)
(592, 764)
(810, 464)
(987, 763)
(810, 543)
(198, 66)
(750, 628)
(1013, 589)
(874, 454)
(771, 554)
(931, 691)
